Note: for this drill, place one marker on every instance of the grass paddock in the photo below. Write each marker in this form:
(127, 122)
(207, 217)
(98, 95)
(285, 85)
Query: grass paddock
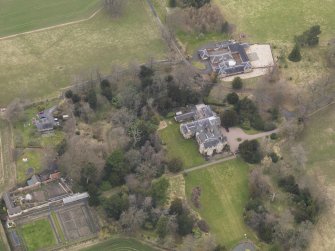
(38, 65)
(224, 193)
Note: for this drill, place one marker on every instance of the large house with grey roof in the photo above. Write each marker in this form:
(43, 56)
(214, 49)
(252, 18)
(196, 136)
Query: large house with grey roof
(227, 58)
(203, 124)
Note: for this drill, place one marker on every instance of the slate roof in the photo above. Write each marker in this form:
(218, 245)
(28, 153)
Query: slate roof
(45, 121)
(227, 58)
(206, 127)
(11, 208)
(185, 116)
(33, 180)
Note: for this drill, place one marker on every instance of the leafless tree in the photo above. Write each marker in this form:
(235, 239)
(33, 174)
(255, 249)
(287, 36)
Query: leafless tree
(258, 186)
(14, 111)
(115, 7)
(132, 219)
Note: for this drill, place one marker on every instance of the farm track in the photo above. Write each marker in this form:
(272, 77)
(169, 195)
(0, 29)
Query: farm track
(52, 27)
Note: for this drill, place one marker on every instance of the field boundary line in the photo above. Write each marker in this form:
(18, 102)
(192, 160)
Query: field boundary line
(52, 27)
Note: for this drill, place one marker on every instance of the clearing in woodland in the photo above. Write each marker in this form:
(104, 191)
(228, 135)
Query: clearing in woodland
(39, 64)
(224, 193)
(17, 16)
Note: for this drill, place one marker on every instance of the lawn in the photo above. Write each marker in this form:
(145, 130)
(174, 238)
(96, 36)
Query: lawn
(319, 142)
(38, 234)
(120, 244)
(178, 147)
(34, 162)
(39, 64)
(265, 21)
(224, 193)
(18, 16)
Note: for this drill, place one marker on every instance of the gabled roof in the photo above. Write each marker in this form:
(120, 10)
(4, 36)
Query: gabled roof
(33, 180)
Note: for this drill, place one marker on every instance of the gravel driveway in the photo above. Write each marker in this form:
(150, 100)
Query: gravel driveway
(237, 133)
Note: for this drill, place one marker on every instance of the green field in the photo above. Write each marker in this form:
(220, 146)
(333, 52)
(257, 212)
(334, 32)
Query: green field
(319, 142)
(178, 147)
(120, 244)
(266, 21)
(224, 193)
(18, 16)
(37, 235)
(39, 64)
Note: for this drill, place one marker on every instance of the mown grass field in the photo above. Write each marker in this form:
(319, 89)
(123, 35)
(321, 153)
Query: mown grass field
(120, 244)
(224, 193)
(178, 147)
(18, 16)
(39, 64)
(271, 20)
(37, 235)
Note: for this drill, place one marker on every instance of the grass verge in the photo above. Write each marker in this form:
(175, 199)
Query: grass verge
(58, 227)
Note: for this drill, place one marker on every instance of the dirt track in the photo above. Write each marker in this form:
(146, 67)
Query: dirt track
(51, 27)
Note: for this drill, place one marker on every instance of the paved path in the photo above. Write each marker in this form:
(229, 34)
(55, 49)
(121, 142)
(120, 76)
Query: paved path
(209, 164)
(52, 27)
(237, 133)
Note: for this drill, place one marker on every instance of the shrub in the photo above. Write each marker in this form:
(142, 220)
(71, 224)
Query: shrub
(175, 165)
(269, 126)
(295, 55)
(232, 98)
(185, 224)
(237, 83)
(195, 198)
(204, 227)
(75, 98)
(172, 3)
(176, 207)
(274, 157)
(229, 118)
(274, 136)
(250, 151)
(68, 94)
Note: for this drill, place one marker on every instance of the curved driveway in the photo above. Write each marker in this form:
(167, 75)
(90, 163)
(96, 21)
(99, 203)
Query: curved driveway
(236, 133)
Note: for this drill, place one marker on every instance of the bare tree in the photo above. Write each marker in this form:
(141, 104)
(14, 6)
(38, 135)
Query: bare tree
(14, 111)
(115, 8)
(132, 219)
